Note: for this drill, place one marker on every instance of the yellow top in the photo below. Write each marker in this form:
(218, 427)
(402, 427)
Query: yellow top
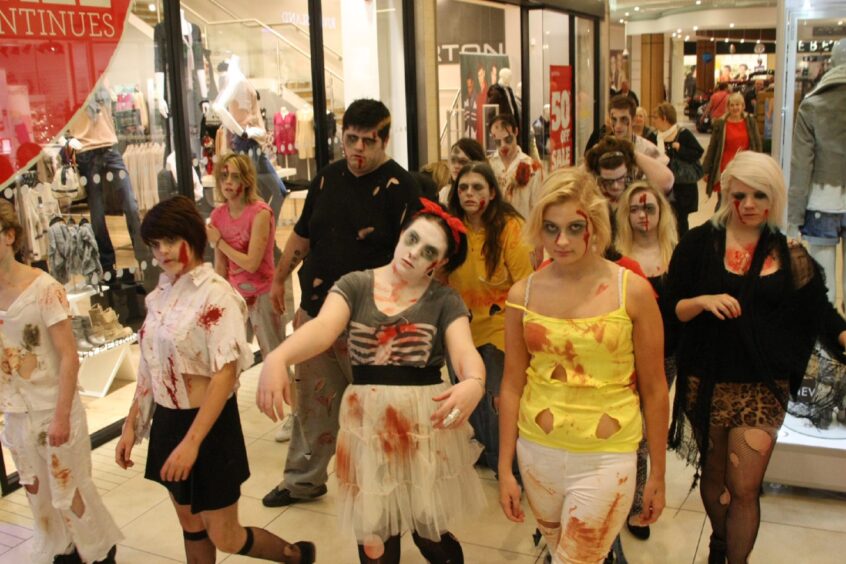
(485, 297)
(581, 380)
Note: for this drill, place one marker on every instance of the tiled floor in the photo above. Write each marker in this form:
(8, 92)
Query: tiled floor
(797, 526)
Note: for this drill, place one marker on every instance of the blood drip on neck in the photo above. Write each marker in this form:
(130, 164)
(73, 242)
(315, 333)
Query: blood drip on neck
(184, 259)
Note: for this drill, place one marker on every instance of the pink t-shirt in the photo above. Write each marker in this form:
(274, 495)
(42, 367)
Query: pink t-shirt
(236, 232)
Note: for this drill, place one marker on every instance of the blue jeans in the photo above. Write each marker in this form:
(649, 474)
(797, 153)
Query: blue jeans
(95, 166)
(270, 186)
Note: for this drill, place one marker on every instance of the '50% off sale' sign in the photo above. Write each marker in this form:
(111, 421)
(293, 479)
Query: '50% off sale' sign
(561, 122)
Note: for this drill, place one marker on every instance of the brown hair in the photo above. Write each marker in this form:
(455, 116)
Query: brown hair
(9, 221)
(622, 102)
(609, 154)
(667, 111)
(176, 217)
(244, 166)
(439, 171)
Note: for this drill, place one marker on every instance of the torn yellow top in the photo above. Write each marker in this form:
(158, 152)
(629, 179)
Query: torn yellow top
(581, 387)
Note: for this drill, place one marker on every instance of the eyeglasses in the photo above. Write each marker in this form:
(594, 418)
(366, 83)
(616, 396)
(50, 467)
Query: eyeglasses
(611, 182)
(351, 140)
(508, 140)
(233, 176)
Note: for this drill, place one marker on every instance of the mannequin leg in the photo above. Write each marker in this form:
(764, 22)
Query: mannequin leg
(826, 255)
(92, 169)
(119, 179)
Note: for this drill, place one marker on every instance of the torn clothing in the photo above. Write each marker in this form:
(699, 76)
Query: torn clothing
(60, 472)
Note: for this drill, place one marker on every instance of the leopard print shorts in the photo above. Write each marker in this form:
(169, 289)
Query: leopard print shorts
(737, 404)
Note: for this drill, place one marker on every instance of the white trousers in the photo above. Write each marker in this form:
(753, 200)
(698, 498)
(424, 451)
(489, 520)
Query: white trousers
(60, 472)
(580, 500)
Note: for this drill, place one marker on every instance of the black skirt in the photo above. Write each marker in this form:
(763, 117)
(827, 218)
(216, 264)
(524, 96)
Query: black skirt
(221, 467)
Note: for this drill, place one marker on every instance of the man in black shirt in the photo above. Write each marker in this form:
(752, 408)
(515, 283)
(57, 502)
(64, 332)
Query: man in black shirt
(351, 221)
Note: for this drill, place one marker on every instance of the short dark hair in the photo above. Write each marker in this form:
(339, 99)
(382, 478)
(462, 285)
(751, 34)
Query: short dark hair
(612, 153)
(366, 113)
(176, 217)
(622, 102)
(456, 252)
(506, 120)
(470, 147)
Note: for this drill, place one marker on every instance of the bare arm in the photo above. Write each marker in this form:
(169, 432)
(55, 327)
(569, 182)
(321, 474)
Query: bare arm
(470, 370)
(61, 335)
(221, 263)
(658, 174)
(648, 337)
(259, 236)
(295, 251)
(513, 381)
(309, 340)
(178, 465)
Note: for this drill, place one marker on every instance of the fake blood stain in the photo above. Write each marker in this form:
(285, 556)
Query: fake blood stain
(586, 236)
(536, 337)
(183, 254)
(737, 211)
(61, 474)
(210, 317)
(583, 540)
(396, 438)
(645, 214)
(171, 389)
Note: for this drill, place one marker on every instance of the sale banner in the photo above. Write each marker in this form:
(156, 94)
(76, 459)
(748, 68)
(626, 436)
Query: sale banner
(561, 116)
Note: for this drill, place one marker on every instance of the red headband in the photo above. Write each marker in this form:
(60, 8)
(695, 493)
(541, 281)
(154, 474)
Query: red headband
(455, 225)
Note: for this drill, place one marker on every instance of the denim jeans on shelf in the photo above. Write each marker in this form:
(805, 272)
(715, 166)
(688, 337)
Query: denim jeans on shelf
(102, 167)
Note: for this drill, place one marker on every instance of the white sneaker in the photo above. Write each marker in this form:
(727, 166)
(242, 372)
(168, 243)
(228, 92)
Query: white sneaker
(283, 435)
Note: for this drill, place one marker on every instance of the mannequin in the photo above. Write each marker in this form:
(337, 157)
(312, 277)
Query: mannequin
(238, 108)
(92, 133)
(817, 195)
(505, 82)
(540, 129)
(196, 84)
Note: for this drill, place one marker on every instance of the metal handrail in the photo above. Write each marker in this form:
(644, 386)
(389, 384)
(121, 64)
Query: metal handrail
(263, 25)
(452, 108)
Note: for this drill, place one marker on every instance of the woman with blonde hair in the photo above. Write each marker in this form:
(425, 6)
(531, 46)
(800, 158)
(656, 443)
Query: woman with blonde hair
(639, 126)
(736, 131)
(752, 308)
(646, 232)
(576, 333)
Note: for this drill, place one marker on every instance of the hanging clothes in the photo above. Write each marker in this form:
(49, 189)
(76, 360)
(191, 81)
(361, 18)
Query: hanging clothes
(285, 132)
(143, 162)
(305, 133)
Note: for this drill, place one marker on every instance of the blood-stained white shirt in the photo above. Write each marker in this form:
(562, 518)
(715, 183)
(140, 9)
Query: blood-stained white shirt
(196, 326)
(522, 193)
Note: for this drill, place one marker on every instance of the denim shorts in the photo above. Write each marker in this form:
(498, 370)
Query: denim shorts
(823, 228)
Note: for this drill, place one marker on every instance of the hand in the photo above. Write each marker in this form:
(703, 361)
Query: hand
(653, 500)
(123, 450)
(676, 145)
(793, 231)
(509, 497)
(213, 234)
(277, 295)
(161, 105)
(178, 465)
(75, 144)
(59, 431)
(706, 177)
(841, 338)
(721, 305)
(253, 132)
(465, 396)
(274, 388)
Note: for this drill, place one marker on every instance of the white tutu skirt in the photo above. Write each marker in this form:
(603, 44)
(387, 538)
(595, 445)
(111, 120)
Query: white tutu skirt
(395, 471)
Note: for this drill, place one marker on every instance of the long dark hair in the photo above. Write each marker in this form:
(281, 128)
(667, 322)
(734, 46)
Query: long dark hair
(495, 216)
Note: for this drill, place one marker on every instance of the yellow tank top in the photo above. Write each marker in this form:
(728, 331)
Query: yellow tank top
(581, 373)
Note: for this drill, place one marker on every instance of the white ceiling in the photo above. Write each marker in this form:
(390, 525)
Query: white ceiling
(635, 10)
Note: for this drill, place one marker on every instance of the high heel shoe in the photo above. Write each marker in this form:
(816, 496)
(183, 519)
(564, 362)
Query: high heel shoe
(308, 552)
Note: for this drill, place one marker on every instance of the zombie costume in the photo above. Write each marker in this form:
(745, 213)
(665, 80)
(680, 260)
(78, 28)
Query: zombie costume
(520, 182)
(352, 223)
(579, 426)
(395, 471)
(29, 389)
(194, 326)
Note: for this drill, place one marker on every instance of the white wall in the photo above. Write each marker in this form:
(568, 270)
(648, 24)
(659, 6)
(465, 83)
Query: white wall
(359, 41)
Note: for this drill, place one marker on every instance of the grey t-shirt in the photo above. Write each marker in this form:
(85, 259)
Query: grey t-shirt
(413, 337)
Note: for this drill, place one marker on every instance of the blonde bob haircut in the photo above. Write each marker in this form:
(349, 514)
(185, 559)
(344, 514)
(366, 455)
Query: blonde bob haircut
(736, 97)
(668, 236)
(572, 184)
(237, 162)
(761, 172)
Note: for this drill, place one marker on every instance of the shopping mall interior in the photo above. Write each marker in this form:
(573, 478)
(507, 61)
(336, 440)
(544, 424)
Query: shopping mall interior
(184, 82)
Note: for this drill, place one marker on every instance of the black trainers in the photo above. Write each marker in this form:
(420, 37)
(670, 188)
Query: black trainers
(280, 497)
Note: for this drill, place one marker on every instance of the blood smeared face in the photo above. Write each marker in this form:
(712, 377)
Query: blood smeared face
(566, 232)
(621, 123)
(613, 182)
(421, 249)
(364, 150)
(457, 160)
(474, 194)
(505, 139)
(231, 182)
(644, 212)
(173, 254)
(750, 207)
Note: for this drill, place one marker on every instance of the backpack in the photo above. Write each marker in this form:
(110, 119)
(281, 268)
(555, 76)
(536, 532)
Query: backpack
(66, 185)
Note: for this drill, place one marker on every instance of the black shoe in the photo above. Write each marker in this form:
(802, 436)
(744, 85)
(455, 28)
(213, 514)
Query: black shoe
(610, 558)
(717, 550)
(641, 533)
(280, 497)
(72, 558)
(308, 553)
(110, 557)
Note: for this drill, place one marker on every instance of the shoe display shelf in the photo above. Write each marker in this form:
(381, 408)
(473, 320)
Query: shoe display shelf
(809, 457)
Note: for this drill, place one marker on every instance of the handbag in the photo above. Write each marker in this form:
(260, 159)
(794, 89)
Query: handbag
(685, 172)
(66, 184)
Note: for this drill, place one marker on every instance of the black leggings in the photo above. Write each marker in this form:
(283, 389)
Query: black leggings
(445, 551)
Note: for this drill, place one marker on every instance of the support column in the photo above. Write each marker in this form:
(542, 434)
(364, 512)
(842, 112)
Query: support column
(425, 32)
(705, 70)
(651, 70)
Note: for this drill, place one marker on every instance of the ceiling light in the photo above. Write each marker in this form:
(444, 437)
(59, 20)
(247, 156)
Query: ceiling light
(687, 38)
(627, 14)
(757, 41)
(731, 24)
(839, 22)
(698, 2)
(727, 39)
(712, 40)
(622, 20)
(696, 28)
(678, 30)
(742, 40)
(151, 7)
(637, 8)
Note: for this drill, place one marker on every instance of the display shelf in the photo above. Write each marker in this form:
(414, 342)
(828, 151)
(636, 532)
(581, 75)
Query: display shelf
(98, 372)
(108, 346)
(806, 458)
(85, 292)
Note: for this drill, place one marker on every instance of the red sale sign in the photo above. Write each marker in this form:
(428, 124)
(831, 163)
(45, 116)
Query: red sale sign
(52, 54)
(561, 122)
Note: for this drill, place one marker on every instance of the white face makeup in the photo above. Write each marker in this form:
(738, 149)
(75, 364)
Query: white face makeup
(474, 194)
(364, 150)
(751, 207)
(420, 250)
(505, 141)
(565, 232)
(621, 123)
(613, 182)
(644, 213)
(174, 255)
(457, 160)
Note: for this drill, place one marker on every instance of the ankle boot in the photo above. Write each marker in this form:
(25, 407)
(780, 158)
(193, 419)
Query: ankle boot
(98, 325)
(90, 335)
(717, 550)
(114, 330)
(82, 345)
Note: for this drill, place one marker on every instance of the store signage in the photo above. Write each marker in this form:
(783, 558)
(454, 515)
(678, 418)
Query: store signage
(561, 115)
(303, 20)
(815, 46)
(456, 35)
(52, 54)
